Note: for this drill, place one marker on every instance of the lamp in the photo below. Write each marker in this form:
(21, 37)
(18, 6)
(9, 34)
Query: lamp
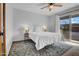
(44, 28)
(26, 28)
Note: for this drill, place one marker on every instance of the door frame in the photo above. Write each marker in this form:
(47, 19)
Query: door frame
(0, 30)
(4, 27)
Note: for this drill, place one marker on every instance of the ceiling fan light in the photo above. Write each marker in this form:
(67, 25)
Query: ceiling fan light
(50, 7)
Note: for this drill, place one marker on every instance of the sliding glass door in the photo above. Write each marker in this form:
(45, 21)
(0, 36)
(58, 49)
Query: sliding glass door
(69, 25)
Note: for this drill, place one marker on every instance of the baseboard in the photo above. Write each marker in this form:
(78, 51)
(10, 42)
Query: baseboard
(10, 49)
(77, 42)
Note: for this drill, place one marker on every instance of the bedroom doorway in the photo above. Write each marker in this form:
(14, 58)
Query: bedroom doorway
(2, 30)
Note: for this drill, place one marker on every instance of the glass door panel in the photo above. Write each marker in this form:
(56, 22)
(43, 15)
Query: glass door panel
(64, 26)
(75, 28)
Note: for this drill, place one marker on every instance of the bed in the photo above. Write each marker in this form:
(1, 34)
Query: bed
(42, 37)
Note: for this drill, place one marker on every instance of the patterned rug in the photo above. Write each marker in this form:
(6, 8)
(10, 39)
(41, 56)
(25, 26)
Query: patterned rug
(27, 48)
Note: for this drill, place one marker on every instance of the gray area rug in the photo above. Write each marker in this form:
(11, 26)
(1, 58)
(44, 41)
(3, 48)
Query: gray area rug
(27, 48)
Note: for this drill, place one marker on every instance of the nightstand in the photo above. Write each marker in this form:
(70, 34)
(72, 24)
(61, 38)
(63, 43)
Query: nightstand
(26, 36)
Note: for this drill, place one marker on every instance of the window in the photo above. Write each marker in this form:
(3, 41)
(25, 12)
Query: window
(75, 20)
(64, 21)
(75, 24)
(64, 24)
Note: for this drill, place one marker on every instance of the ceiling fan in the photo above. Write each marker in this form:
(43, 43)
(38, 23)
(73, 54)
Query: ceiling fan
(51, 5)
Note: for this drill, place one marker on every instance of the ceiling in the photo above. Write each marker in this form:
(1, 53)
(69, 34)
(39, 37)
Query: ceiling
(36, 7)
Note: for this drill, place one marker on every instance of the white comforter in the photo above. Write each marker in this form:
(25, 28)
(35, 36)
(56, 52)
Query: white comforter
(43, 39)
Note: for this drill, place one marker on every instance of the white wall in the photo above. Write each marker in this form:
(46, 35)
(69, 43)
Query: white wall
(21, 17)
(9, 27)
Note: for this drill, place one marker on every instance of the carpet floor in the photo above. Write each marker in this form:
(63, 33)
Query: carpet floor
(27, 48)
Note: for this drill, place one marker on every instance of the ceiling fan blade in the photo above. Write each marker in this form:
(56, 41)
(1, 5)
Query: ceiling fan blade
(44, 7)
(57, 5)
(41, 4)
